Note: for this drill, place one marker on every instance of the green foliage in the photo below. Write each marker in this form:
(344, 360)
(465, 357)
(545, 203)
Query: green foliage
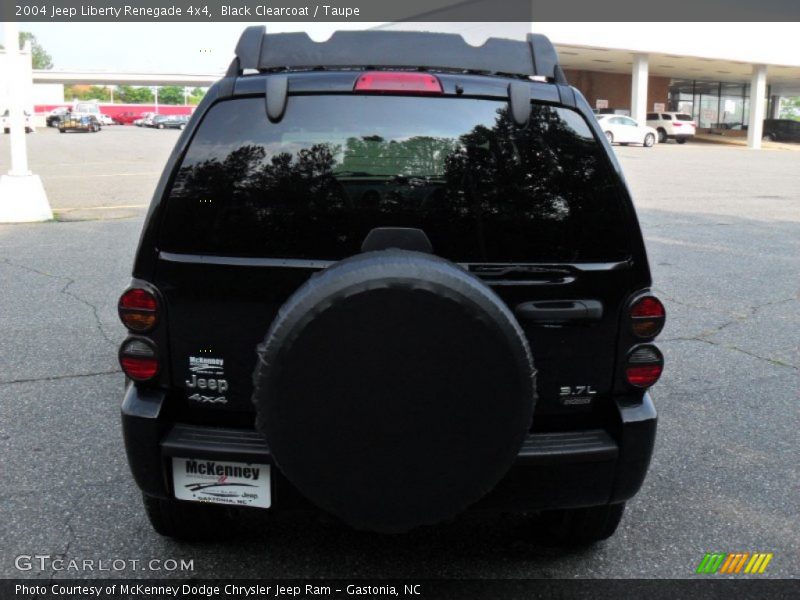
(170, 94)
(196, 95)
(790, 108)
(40, 58)
(95, 92)
(134, 95)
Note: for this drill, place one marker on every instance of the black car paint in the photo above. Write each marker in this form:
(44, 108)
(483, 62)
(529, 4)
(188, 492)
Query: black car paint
(782, 130)
(229, 296)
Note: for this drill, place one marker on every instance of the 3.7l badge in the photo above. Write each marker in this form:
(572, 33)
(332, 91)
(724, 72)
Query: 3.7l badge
(576, 395)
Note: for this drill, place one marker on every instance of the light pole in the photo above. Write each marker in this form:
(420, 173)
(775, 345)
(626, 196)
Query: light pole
(155, 93)
(22, 196)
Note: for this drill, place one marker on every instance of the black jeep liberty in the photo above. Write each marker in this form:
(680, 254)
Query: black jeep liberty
(393, 276)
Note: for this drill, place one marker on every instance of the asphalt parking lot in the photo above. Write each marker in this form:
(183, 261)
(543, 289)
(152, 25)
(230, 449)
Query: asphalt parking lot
(722, 227)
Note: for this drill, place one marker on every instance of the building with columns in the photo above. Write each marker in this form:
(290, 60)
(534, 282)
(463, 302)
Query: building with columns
(728, 76)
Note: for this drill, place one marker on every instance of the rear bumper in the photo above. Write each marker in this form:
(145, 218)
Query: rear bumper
(553, 470)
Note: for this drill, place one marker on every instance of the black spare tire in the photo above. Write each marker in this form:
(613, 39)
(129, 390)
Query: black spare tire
(394, 389)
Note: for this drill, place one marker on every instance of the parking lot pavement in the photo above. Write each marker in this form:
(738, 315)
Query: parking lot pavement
(109, 174)
(722, 227)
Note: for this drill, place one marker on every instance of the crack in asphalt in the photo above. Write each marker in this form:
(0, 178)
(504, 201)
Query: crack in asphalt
(70, 538)
(93, 308)
(662, 294)
(60, 377)
(704, 336)
(64, 290)
(771, 361)
(54, 490)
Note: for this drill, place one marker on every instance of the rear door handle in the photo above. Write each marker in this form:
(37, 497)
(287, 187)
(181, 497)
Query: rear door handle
(560, 311)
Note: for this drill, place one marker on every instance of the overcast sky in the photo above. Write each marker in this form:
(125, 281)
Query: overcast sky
(208, 47)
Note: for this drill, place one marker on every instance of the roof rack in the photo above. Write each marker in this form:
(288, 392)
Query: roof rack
(257, 50)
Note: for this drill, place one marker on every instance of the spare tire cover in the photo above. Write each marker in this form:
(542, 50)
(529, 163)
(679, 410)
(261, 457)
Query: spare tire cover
(394, 389)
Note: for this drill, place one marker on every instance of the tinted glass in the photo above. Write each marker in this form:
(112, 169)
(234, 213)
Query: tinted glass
(683, 117)
(315, 184)
(652, 116)
(667, 117)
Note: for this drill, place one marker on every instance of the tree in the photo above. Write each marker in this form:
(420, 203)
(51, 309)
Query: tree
(40, 58)
(86, 92)
(134, 95)
(196, 96)
(170, 94)
(790, 108)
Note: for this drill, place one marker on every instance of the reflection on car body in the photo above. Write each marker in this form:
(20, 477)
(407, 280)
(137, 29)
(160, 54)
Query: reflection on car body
(84, 123)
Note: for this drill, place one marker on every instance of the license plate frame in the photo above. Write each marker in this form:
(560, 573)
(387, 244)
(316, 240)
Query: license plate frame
(222, 482)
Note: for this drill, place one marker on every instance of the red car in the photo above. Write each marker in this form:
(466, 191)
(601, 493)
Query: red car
(126, 118)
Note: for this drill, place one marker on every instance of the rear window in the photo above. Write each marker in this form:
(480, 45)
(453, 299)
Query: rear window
(335, 167)
(683, 117)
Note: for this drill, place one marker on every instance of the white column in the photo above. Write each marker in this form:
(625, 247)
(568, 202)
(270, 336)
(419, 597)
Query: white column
(758, 106)
(22, 196)
(16, 117)
(776, 108)
(639, 88)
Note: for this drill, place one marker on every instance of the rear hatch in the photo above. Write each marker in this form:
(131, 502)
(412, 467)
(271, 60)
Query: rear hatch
(683, 124)
(539, 213)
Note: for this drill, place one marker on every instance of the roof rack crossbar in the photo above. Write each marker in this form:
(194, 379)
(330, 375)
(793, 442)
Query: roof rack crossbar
(396, 49)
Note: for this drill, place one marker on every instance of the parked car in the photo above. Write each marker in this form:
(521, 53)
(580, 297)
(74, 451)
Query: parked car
(676, 126)
(84, 123)
(781, 130)
(619, 129)
(145, 120)
(6, 124)
(54, 116)
(105, 120)
(169, 122)
(127, 118)
(292, 342)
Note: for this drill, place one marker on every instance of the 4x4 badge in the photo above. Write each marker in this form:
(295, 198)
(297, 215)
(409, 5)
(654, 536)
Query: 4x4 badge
(209, 399)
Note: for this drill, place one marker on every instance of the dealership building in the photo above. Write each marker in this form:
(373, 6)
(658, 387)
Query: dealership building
(728, 76)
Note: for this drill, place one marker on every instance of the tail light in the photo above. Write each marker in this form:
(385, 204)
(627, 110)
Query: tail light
(138, 310)
(138, 359)
(406, 83)
(647, 317)
(676, 124)
(644, 366)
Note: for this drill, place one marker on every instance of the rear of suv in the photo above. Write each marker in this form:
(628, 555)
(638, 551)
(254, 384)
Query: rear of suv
(672, 126)
(393, 284)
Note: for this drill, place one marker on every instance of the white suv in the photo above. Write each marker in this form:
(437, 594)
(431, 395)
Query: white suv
(672, 126)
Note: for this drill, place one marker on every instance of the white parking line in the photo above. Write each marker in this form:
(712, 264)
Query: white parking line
(85, 176)
(100, 207)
